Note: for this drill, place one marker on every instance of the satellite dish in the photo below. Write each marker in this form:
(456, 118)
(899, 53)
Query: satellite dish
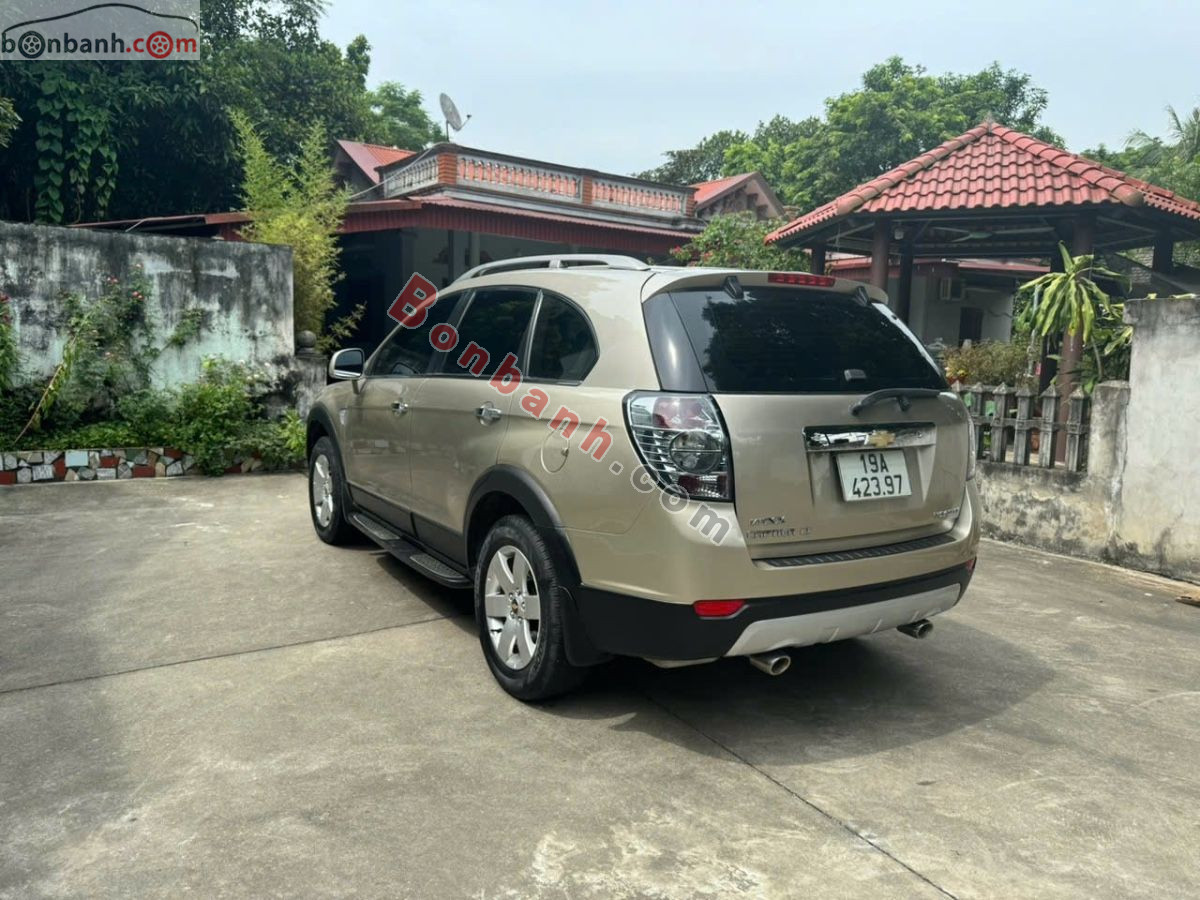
(453, 118)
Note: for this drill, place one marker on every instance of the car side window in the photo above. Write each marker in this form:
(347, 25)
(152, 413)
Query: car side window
(407, 351)
(564, 348)
(496, 320)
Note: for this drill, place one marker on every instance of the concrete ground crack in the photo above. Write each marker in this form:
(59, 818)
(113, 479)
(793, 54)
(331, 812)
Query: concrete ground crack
(845, 826)
(232, 653)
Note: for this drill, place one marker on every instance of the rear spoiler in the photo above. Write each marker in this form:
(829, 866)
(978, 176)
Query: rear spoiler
(693, 278)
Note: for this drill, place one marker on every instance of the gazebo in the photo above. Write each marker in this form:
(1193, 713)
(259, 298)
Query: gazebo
(993, 193)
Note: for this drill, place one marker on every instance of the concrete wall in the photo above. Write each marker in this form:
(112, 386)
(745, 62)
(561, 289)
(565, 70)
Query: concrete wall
(1138, 503)
(1160, 509)
(1069, 512)
(245, 291)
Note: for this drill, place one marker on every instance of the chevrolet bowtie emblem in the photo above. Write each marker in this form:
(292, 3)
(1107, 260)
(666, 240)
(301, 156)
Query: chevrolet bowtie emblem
(881, 439)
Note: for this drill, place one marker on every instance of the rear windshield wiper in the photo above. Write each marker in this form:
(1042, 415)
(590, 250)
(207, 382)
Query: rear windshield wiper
(903, 396)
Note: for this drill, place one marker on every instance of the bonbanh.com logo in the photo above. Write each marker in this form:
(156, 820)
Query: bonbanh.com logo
(87, 30)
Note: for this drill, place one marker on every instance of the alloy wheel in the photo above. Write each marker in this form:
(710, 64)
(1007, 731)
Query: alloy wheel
(512, 607)
(322, 490)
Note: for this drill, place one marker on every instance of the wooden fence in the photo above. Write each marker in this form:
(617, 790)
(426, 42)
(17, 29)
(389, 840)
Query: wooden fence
(1022, 428)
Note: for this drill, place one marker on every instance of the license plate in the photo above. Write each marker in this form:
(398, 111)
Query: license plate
(873, 474)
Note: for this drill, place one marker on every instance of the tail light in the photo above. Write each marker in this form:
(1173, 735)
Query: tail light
(682, 441)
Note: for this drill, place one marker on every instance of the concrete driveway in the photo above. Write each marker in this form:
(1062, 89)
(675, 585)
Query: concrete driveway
(196, 696)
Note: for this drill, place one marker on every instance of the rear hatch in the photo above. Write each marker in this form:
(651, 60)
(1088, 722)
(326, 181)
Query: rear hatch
(786, 366)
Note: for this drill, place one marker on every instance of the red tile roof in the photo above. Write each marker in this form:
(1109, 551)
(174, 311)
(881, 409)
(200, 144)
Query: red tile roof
(709, 190)
(991, 167)
(497, 209)
(368, 157)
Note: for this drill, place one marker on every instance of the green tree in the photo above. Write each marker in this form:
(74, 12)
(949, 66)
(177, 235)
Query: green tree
(1172, 162)
(898, 112)
(703, 162)
(285, 85)
(736, 241)
(120, 140)
(298, 205)
(398, 119)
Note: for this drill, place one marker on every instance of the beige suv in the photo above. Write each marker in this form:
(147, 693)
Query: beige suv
(677, 464)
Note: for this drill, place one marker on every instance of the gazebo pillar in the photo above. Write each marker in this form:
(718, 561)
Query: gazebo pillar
(1164, 250)
(880, 242)
(817, 266)
(904, 283)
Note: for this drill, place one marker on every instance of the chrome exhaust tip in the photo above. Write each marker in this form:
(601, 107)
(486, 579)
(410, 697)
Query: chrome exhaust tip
(771, 663)
(919, 629)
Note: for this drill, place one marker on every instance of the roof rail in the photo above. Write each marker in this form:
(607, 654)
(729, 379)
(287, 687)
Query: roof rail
(554, 261)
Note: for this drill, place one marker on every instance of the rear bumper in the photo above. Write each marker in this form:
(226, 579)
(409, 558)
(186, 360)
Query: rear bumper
(671, 557)
(635, 626)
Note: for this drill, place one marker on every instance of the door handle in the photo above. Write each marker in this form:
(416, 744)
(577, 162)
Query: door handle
(487, 414)
(399, 407)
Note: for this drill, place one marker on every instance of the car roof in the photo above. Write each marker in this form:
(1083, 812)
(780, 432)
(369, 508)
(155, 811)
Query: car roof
(587, 271)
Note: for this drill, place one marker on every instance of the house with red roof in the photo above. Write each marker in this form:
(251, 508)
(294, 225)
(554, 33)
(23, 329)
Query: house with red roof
(441, 210)
(357, 164)
(747, 192)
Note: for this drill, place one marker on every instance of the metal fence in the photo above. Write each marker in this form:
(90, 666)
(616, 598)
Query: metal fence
(1020, 427)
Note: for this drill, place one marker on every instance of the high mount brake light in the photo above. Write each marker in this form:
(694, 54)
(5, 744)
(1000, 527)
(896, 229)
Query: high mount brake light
(682, 441)
(803, 278)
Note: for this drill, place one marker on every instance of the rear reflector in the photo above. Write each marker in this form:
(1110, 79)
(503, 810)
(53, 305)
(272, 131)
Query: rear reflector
(717, 609)
(800, 278)
(971, 564)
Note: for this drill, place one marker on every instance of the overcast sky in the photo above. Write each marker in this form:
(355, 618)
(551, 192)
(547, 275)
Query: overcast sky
(611, 85)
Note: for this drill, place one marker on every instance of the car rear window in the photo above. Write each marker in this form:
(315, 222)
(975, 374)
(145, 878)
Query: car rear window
(788, 340)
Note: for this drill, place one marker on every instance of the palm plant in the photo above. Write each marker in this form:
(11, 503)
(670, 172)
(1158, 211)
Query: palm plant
(1070, 303)
(1183, 140)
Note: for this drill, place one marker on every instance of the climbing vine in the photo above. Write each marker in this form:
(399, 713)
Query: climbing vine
(111, 343)
(76, 149)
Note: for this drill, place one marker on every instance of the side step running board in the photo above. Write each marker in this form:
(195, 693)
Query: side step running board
(408, 552)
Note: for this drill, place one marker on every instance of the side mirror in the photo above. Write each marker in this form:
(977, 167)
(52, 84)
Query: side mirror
(346, 364)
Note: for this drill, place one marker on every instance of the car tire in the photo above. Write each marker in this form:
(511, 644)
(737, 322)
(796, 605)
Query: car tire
(327, 495)
(525, 647)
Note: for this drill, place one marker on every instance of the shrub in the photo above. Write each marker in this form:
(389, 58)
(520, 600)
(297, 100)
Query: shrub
(150, 416)
(218, 419)
(991, 362)
(15, 404)
(212, 415)
(111, 345)
(100, 396)
(98, 435)
(279, 444)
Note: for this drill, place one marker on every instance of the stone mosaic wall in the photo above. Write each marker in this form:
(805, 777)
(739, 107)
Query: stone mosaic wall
(31, 466)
